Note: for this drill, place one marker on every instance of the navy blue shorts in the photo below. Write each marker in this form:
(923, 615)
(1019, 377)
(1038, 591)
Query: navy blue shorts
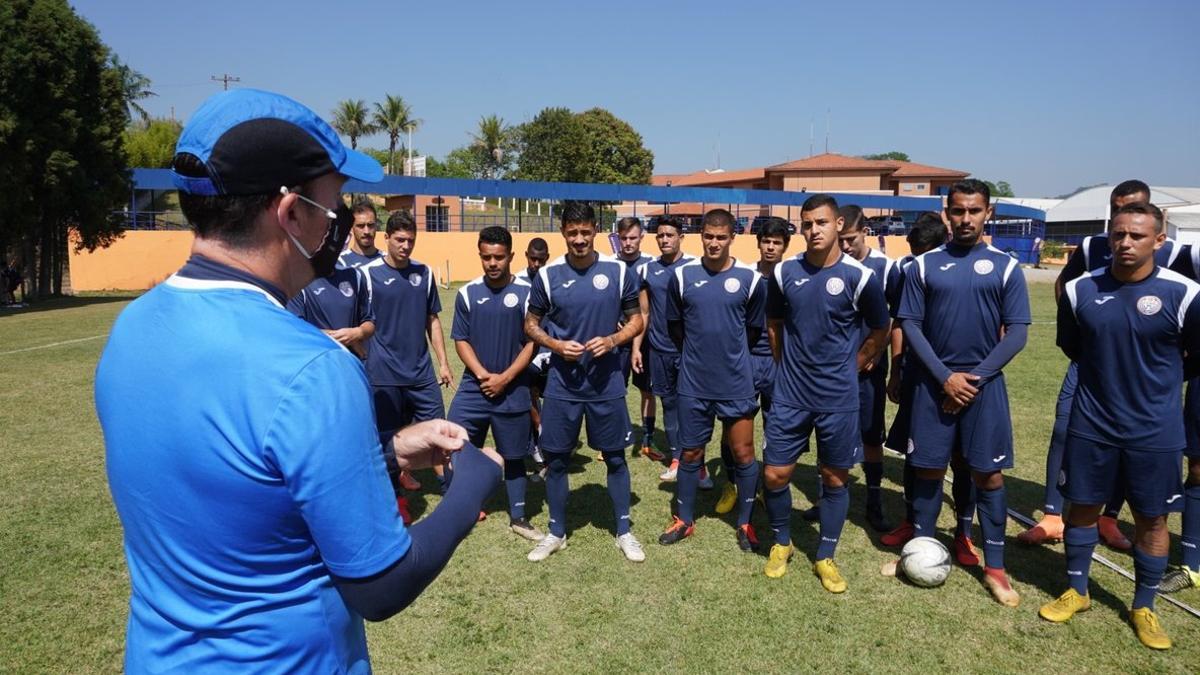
(897, 438)
(872, 393)
(664, 373)
(1191, 418)
(397, 407)
(510, 431)
(640, 380)
(698, 416)
(982, 430)
(764, 379)
(608, 427)
(1152, 479)
(839, 443)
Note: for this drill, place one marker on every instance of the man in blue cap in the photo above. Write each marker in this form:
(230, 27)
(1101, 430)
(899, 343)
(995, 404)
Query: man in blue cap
(242, 456)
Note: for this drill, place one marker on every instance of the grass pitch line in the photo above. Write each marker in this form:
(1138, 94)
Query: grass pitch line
(54, 344)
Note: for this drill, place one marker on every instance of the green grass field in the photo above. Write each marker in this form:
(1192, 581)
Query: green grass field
(699, 606)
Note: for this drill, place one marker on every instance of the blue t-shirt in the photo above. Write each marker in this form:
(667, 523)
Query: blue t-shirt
(244, 464)
(823, 310)
(655, 275)
(340, 300)
(402, 300)
(492, 321)
(581, 305)
(1128, 340)
(717, 310)
(964, 297)
(349, 258)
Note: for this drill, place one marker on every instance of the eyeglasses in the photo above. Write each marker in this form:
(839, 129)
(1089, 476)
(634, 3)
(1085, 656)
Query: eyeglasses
(328, 212)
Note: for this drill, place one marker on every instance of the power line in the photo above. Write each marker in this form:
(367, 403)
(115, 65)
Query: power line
(225, 80)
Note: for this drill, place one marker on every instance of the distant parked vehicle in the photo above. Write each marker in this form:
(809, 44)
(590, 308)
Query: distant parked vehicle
(887, 224)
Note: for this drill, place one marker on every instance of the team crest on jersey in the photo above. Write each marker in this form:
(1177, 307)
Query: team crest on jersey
(1062, 478)
(984, 267)
(600, 282)
(1149, 305)
(732, 285)
(835, 286)
(415, 280)
(510, 300)
(911, 446)
(346, 289)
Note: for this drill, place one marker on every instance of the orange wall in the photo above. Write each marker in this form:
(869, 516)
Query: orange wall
(141, 259)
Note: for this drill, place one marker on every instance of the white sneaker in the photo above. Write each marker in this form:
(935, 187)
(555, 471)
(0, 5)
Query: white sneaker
(670, 473)
(706, 481)
(629, 545)
(549, 544)
(537, 455)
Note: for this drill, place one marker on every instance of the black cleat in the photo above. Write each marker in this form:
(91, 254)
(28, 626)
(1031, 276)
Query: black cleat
(876, 520)
(747, 539)
(812, 514)
(677, 531)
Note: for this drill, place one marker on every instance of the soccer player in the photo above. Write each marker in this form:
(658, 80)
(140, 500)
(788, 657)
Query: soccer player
(258, 526)
(663, 360)
(536, 255)
(489, 336)
(1127, 328)
(361, 250)
(818, 305)
(1187, 575)
(406, 305)
(340, 306)
(715, 312)
(872, 385)
(584, 296)
(1093, 254)
(629, 251)
(965, 314)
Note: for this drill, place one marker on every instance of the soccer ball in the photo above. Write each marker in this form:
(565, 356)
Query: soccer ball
(925, 561)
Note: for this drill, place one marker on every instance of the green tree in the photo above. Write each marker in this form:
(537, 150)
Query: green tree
(893, 155)
(553, 147)
(352, 120)
(1000, 188)
(394, 117)
(615, 153)
(493, 143)
(63, 112)
(465, 162)
(152, 145)
(135, 87)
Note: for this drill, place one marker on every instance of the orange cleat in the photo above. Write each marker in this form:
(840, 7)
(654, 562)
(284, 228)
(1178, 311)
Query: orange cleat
(965, 552)
(650, 453)
(402, 506)
(997, 582)
(899, 536)
(1049, 531)
(409, 482)
(1111, 535)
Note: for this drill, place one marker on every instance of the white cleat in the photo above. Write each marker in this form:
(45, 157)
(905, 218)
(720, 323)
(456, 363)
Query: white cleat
(549, 544)
(629, 545)
(669, 474)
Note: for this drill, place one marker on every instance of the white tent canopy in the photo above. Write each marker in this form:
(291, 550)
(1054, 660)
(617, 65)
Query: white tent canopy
(1092, 203)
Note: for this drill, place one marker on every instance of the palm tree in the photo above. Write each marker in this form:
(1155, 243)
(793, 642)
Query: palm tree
(492, 140)
(350, 119)
(134, 87)
(394, 117)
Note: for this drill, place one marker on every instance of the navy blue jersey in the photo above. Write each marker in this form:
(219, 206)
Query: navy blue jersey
(581, 305)
(1128, 340)
(492, 321)
(963, 297)
(1095, 253)
(717, 310)
(637, 262)
(1187, 262)
(655, 275)
(402, 300)
(340, 300)
(762, 347)
(349, 258)
(823, 310)
(887, 272)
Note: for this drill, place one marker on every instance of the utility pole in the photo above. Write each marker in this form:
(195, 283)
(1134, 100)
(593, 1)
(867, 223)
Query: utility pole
(225, 80)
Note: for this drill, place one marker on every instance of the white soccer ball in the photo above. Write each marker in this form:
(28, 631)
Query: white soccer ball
(925, 561)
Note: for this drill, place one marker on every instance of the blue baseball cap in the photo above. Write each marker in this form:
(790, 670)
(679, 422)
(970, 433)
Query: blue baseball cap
(252, 142)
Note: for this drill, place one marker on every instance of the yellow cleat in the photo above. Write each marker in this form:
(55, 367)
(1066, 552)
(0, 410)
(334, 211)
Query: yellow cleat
(1148, 629)
(728, 499)
(778, 561)
(1066, 606)
(827, 571)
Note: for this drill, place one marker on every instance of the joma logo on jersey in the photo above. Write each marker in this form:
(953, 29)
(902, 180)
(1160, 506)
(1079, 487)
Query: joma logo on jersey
(389, 281)
(1101, 301)
(947, 266)
(481, 301)
(658, 272)
(318, 291)
(700, 283)
(568, 284)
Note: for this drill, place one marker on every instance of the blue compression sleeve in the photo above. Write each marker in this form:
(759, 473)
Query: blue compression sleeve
(1010, 345)
(916, 341)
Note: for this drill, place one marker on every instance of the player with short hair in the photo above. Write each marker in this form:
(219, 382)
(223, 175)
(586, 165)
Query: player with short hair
(715, 312)
(536, 255)
(1093, 254)
(361, 249)
(489, 336)
(406, 305)
(629, 251)
(965, 314)
(584, 296)
(663, 361)
(819, 303)
(1127, 328)
(872, 385)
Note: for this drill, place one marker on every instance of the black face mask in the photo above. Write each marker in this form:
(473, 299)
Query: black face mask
(324, 259)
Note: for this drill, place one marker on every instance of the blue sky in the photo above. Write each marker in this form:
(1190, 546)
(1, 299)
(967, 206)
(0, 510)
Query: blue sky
(1045, 95)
